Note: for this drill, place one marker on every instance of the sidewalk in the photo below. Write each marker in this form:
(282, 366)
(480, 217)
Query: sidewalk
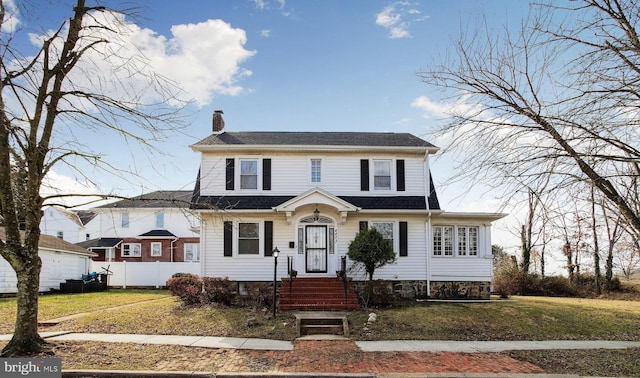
(433, 346)
(333, 356)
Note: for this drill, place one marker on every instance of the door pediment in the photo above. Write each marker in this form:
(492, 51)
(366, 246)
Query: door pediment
(317, 196)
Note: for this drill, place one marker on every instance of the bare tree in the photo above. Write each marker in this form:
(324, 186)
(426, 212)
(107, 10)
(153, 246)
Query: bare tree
(43, 99)
(557, 97)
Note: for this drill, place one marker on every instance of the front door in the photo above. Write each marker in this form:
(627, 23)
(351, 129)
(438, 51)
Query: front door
(316, 249)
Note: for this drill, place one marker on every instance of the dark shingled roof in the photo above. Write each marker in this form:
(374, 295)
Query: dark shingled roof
(158, 234)
(85, 216)
(158, 199)
(269, 202)
(100, 243)
(52, 242)
(315, 139)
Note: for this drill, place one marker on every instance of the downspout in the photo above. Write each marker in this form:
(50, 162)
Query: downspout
(427, 233)
(173, 248)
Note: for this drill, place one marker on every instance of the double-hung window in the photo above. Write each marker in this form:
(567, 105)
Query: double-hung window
(382, 174)
(455, 241)
(160, 220)
(192, 252)
(248, 174)
(386, 229)
(125, 220)
(156, 249)
(131, 250)
(248, 238)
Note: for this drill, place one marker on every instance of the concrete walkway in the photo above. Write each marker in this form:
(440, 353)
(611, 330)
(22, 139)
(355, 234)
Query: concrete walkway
(364, 346)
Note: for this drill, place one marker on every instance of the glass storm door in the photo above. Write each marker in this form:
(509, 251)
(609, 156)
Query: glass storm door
(316, 249)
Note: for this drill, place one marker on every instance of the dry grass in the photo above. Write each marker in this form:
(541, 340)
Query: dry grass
(533, 318)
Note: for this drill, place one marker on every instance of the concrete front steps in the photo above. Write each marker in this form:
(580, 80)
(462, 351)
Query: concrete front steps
(317, 294)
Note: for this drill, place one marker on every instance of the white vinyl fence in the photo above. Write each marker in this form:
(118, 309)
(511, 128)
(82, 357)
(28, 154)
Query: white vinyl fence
(150, 274)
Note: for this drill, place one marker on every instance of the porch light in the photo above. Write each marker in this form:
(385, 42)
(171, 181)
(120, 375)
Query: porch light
(275, 254)
(316, 215)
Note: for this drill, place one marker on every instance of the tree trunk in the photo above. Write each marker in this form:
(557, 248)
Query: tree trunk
(26, 340)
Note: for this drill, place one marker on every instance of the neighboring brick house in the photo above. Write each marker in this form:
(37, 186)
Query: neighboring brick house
(309, 193)
(156, 226)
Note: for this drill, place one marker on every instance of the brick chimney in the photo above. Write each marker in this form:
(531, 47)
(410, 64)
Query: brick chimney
(218, 122)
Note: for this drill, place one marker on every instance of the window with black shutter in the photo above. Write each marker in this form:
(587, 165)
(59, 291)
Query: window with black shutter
(364, 175)
(266, 174)
(400, 175)
(268, 238)
(230, 174)
(404, 243)
(228, 239)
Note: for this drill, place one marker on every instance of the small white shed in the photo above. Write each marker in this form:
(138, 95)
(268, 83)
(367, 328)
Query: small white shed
(61, 260)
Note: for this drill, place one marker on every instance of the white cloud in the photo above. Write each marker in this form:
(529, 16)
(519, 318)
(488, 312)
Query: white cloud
(58, 184)
(202, 59)
(266, 33)
(398, 17)
(11, 17)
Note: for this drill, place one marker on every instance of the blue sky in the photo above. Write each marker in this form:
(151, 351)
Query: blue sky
(290, 65)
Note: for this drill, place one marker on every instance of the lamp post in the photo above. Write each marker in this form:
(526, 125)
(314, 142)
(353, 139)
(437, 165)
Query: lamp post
(275, 253)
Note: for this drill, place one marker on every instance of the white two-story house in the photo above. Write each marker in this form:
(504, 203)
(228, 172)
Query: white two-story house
(309, 193)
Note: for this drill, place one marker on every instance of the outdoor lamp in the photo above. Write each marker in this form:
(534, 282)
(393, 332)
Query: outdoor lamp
(275, 254)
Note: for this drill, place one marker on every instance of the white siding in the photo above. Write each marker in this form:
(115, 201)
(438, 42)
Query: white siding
(141, 220)
(290, 174)
(57, 267)
(54, 221)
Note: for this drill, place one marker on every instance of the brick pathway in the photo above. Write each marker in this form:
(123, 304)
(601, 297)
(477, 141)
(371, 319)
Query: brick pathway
(344, 357)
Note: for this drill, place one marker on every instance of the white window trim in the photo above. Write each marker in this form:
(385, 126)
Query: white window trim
(395, 231)
(238, 174)
(153, 254)
(391, 175)
(236, 239)
(311, 160)
(185, 251)
(131, 245)
(455, 241)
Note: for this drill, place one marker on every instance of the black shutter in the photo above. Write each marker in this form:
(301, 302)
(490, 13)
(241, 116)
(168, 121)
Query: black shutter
(230, 174)
(228, 239)
(268, 238)
(400, 175)
(266, 174)
(404, 243)
(363, 225)
(364, 175)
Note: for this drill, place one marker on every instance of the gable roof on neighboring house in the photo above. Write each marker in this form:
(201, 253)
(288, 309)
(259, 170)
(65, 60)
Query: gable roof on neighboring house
(157, 199)
(53, 243)
(327, 139)
(79, 217)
